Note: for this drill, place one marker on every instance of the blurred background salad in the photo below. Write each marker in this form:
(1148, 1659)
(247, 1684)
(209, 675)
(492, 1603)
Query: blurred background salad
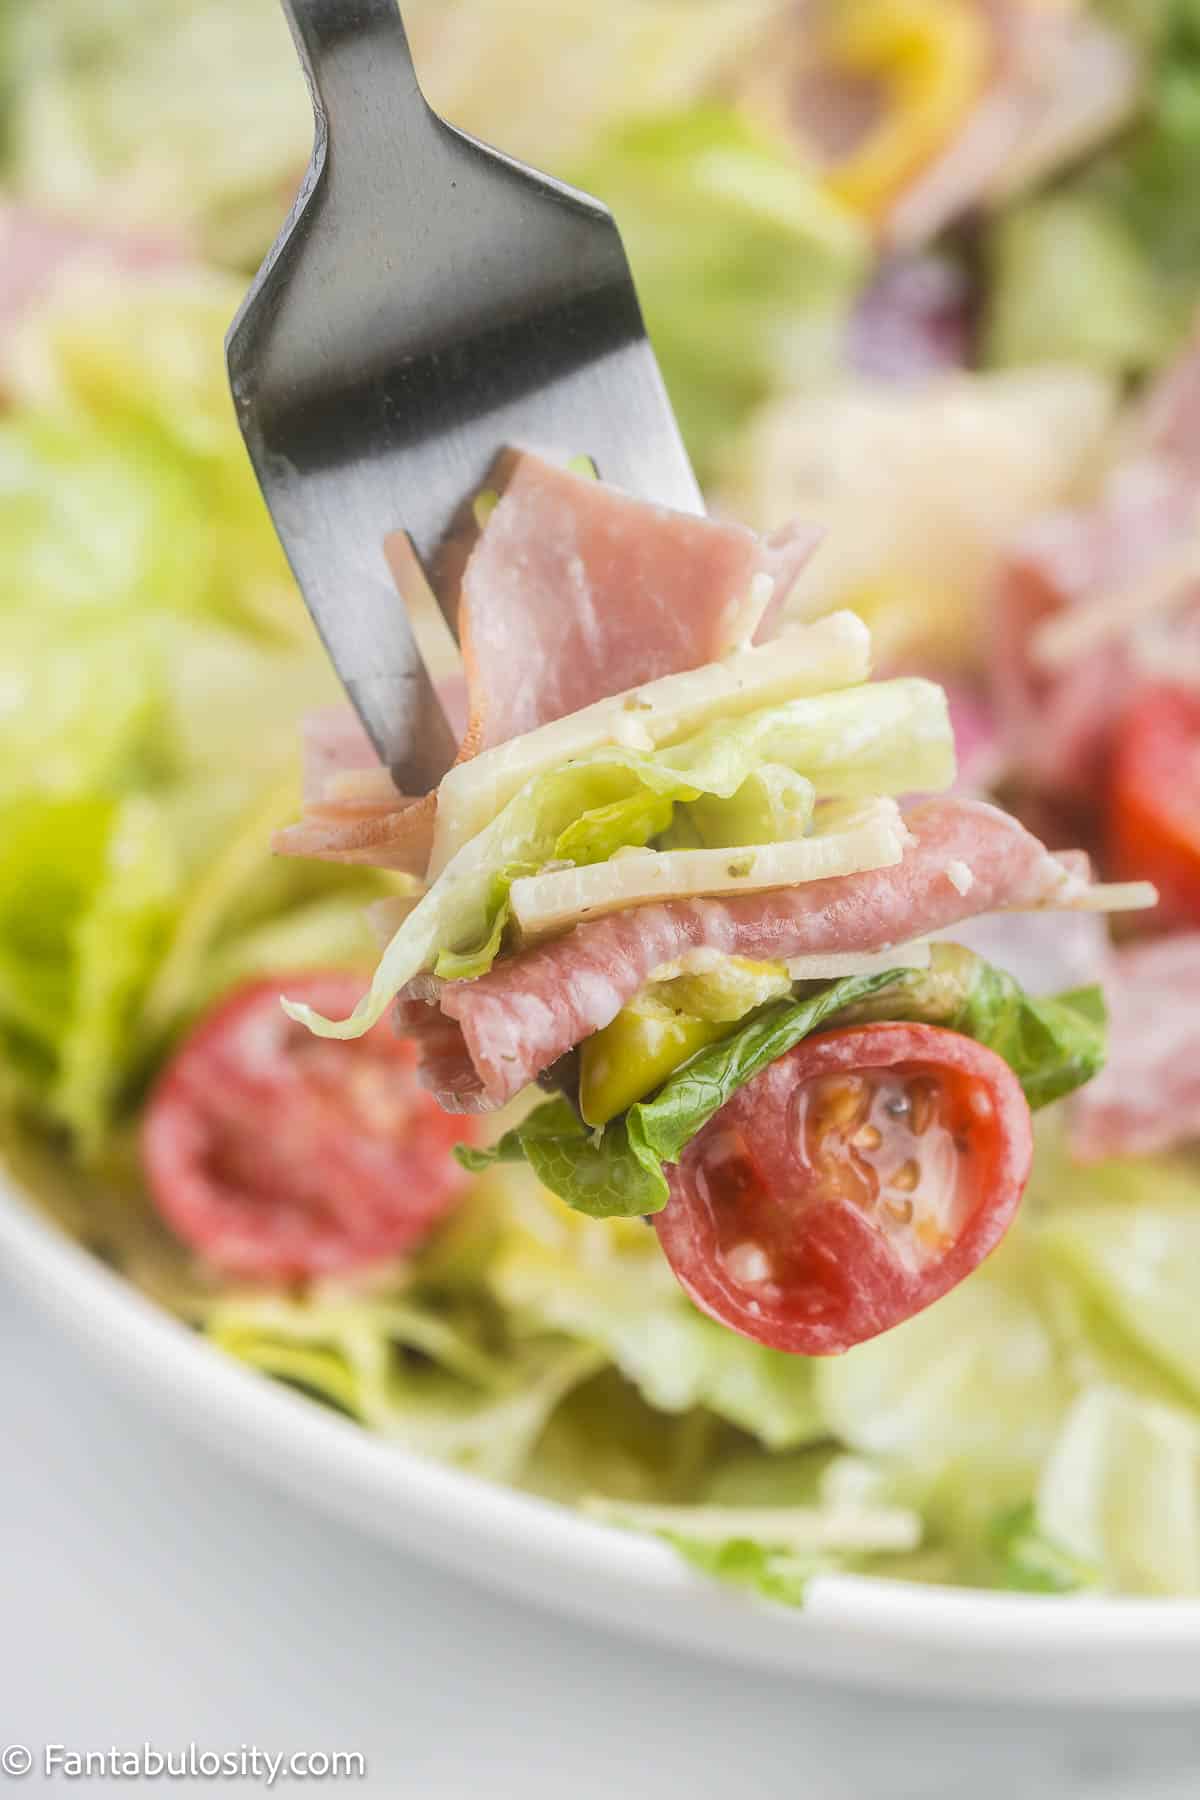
(912, 268)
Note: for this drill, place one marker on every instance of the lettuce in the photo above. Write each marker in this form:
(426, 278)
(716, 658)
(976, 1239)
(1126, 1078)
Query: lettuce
(86, 888)
(745, 266)
(1070, 283)
(1030, 1562)
(882, 738)
(1120, 1492)
(960, 1404)
(1130, 1265)
(178, 116)
(451, 1399)
(1053, 1046)
(1107, 267)
(610, 1288)
(148, 617)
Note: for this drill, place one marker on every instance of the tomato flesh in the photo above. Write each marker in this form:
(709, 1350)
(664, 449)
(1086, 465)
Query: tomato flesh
(1154, 801)
(280, 1156)
(849, 1185)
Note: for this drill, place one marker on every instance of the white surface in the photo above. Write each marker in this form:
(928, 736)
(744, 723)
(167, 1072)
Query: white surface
(151, 1592)
(940, 1641)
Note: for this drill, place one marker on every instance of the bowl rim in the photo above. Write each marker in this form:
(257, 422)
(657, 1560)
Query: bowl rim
(337, 1465)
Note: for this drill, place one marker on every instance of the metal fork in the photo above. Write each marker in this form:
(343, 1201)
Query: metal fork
(428, 304)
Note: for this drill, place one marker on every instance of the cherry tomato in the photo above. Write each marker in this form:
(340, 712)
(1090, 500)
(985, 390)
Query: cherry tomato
(853, 1182)
(1154, 800)
(278, 1155)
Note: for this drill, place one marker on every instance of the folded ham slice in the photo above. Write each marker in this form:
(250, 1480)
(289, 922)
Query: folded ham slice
(1147, 1099)
(966, 858)
(574, 592)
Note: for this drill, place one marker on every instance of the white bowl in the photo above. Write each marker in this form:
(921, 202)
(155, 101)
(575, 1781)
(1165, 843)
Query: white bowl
(883, 1633)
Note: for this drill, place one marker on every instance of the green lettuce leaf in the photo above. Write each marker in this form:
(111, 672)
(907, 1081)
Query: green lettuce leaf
(1030, 1562)
(770, 1551)
(1070, 283)
(160, 665)
(1053, 1046)
(1120, 1492)
(1127, 1251)
(745, 267)
(86, 888)
(960, 1404)
(1106, 268)
(185, 117)
(610, 1287)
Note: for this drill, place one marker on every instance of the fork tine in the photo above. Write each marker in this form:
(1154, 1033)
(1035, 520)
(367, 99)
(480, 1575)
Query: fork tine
(428, 303)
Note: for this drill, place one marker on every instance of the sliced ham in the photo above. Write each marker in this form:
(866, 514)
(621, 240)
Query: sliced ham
(573, 592)
(576, 591)
(514, 1022)
(1147, 1099)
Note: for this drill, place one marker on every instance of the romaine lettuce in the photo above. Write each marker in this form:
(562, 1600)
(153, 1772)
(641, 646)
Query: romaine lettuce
(1107, 267)
(1120, 1492)
(608, 1286)
(960, 1403)
(1052, 1045)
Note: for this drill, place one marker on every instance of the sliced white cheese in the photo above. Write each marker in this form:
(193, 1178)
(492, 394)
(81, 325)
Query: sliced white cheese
(808, 659)
(915, 955)
(1101, 897)
(868, 837)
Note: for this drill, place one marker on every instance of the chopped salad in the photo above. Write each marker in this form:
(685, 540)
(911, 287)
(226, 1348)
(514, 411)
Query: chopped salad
(922, 277)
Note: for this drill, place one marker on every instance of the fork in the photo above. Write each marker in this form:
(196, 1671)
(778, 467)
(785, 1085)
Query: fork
(428, 304)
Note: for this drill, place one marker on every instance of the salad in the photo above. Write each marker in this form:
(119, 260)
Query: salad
(908, 288)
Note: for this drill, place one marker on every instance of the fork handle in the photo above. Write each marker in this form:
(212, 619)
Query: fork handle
(344, 46)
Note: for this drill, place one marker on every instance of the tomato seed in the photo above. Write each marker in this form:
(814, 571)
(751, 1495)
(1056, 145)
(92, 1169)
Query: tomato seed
(906, 1177)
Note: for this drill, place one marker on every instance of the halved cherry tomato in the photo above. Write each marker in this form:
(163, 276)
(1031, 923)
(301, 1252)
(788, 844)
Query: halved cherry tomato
(853, 1182)
(1154, 800)
(278, 1155)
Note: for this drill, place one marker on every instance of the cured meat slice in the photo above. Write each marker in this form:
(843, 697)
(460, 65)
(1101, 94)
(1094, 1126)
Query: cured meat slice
(576, 591)
(573, 592)
(1147, 1098)
(966, 858)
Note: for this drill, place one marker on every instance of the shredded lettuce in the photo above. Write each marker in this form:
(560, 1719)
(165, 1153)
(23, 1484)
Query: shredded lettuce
(1120, 1493)
(148, 616)
(1069, 283)
(162, 115)
(608, 1286)
(881, 738)
(1053, 1046)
